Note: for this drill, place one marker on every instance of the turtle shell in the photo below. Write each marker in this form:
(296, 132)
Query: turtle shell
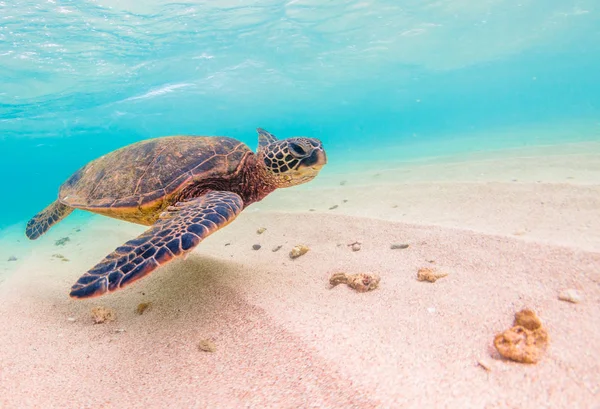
(141, 176)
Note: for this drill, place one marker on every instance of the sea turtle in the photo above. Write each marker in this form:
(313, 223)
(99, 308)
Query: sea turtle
(184, 187)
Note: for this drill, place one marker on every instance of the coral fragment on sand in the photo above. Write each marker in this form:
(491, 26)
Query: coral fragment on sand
(142, 307)
(570, 295)
(276, 248)
(527, 319)
(361, 282)
(298, 251)
(338, 278)
(485, 365)
(261, 230)
(430, 274)
(101, 315)
(207, 345)
(526, 341)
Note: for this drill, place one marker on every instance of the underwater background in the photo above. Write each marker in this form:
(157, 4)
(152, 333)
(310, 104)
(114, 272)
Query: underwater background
(374, 80)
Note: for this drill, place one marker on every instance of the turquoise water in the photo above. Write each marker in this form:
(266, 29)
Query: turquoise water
(81, 78)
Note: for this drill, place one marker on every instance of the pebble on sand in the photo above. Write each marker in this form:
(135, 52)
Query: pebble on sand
(397, 246)
(298, 251)
(276, 248)
(261, 230)
(142, 307)
(101, 315)
(430, 274)
(207, 345)
(526, 341)
(256, 247)
(12, 258)
(570, 295)
(356, 246)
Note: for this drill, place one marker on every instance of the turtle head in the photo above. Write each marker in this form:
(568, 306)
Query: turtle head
(291, 161)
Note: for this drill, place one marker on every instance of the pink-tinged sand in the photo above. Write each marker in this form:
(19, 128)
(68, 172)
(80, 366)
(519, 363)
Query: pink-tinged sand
(284, 339)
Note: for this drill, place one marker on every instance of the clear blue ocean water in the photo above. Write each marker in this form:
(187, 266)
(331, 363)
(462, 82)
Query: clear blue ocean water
(81, 78)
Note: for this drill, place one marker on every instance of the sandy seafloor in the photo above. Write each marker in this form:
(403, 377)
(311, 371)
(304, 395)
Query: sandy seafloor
(512, 228)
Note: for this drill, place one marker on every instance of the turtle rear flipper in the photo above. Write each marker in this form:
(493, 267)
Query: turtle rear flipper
(41, 222)
(181, 228)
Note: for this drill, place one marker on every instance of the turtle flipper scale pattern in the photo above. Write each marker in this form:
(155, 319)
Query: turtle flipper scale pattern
(41, 222)
(179, 229)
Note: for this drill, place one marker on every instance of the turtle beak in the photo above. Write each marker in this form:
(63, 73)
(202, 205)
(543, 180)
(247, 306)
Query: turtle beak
(316, 160)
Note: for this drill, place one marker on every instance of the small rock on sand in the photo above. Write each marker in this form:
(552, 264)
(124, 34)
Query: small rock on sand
(276, 248)
(298, 251)
(398, 246)
(12, 258)
(261, 230)
(102, 314)
(570, 295)
(142, 307)
(356, 246)
(207, 345)
(256, 247)
(430, 274)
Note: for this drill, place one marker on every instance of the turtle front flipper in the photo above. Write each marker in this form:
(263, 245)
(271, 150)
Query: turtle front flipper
(181, 228)
(41, 222)
(264, 138)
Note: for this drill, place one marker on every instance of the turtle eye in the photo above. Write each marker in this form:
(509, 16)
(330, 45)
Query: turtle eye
(297, 149)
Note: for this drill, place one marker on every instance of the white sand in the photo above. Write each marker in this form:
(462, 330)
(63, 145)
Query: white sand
(285, 339)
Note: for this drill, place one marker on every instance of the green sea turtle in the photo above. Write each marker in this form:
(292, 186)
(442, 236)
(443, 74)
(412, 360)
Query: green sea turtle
(184, 187)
